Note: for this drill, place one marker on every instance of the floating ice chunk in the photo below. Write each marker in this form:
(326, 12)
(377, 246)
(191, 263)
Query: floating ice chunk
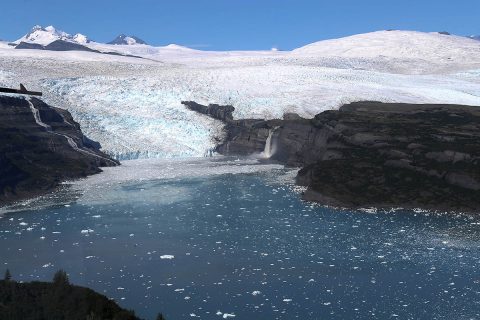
(48, 265)
(167, 257)
(256, 293)
(287, 300)
(228, 315)
(369, 210)
(23, 224)
(86, 231)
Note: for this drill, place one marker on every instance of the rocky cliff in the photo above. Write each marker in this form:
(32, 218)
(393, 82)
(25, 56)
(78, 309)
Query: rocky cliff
(41, 146)
(373, 154)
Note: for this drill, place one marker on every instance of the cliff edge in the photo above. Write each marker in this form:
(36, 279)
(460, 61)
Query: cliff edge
(40, 147)
(373, 154)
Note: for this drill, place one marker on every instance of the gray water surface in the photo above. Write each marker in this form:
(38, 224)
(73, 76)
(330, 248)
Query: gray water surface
(214, 239)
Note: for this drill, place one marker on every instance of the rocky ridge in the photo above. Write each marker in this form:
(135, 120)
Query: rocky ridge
(40, 147)
(371, 153)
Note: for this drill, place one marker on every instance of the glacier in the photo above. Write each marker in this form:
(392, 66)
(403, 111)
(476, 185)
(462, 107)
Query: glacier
(132, 106)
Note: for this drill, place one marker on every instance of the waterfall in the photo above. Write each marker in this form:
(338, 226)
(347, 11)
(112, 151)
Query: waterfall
(209, 153)
(70, 141)
(269, 147)
(36, 116)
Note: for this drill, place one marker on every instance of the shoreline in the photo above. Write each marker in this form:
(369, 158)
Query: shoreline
(370, 154)
(366, 154)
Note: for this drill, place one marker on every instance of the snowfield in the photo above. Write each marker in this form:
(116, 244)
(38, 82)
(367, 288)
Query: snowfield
(436, 51)
(132, 106)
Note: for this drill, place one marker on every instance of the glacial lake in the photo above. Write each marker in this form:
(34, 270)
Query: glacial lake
(230, 239)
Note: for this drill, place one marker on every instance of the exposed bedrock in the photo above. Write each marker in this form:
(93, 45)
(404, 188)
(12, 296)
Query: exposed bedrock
(40, 147)
(373, 154)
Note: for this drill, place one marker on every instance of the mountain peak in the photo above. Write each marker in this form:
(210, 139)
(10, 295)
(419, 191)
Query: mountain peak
(50, 29)
(37, 28)
(80, 38)
(44, 36)
(123, 39)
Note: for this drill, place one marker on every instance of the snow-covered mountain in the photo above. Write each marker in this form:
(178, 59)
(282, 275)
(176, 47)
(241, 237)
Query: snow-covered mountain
(133, 106)
(80, 38)
(47, 35)
(433, 47)
(127, 40)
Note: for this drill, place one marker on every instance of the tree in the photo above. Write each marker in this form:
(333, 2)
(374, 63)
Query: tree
(61, 278)
(160, 317)
(8, 275)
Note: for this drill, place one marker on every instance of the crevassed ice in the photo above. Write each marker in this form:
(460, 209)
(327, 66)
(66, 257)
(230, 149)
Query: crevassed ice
(6, 78)
(142, 116)
(133, 119)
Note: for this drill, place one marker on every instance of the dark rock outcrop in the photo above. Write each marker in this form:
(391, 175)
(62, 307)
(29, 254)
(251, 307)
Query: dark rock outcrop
(28, 45)
(37, 155)
(224, 113)
(244, 137)
(374, 154)
(61, 45)
(57, 45)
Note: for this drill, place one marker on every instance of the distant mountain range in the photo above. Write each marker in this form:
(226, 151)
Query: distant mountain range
(52, 39)
(40, 36)
(433, 47)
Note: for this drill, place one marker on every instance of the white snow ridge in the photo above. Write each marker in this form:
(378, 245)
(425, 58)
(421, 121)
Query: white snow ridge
(132, 106)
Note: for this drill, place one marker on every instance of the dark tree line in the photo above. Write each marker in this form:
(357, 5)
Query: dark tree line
(57, 300)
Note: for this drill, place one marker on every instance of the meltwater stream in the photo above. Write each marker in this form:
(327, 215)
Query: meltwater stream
(218, 239)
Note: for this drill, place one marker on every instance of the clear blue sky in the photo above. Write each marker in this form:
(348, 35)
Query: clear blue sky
(237, 24)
